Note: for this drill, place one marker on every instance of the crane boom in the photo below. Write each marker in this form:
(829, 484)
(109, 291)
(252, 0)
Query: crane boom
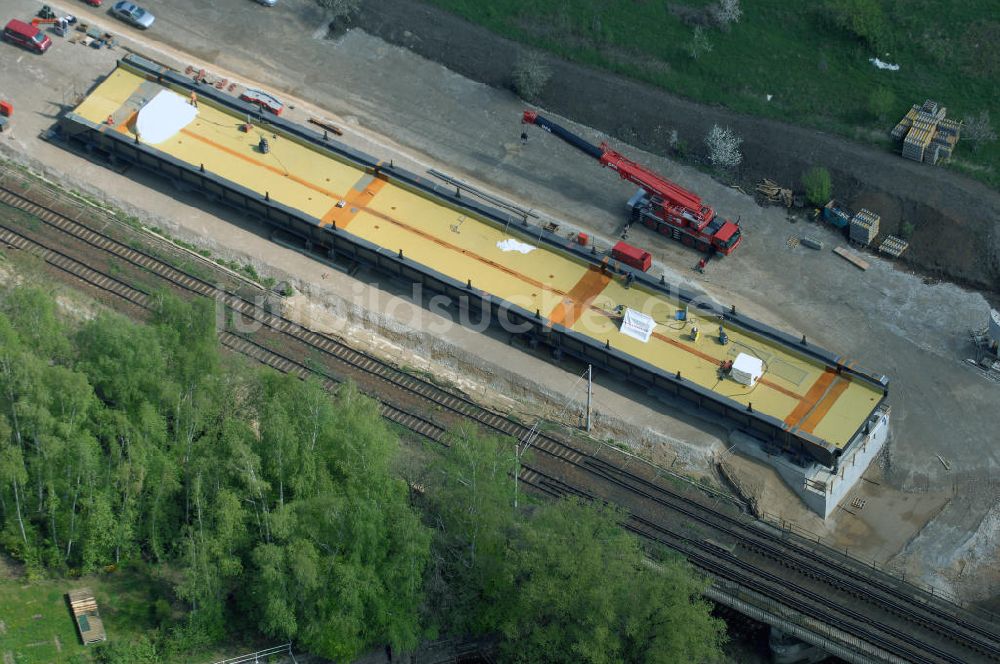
(661, 204)
(626, 168)
(589, 149)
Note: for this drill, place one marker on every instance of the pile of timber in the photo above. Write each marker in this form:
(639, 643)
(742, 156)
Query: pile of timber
(326, 124)
(88, 619)
(774, 192)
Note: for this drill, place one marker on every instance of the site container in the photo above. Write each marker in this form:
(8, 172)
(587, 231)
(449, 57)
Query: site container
(632, 256)
(835, 215)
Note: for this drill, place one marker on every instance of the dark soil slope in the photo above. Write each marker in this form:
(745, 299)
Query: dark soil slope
(957, 220)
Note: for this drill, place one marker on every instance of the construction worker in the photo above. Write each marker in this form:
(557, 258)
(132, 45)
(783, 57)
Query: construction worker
(110, 120)
(194, 99)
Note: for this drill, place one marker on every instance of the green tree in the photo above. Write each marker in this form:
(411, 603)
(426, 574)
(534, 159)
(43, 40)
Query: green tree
(125, 363)
(33, 314)
(471, 496)
(562, 582)
(341, 567)
(818, 185)
(586, 593)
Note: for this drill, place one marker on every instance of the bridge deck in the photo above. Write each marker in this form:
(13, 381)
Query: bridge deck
(803, 393)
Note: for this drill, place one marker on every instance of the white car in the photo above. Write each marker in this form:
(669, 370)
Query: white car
(134, 14)
(267, 3)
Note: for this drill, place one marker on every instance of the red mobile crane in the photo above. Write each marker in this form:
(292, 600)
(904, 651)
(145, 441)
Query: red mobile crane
(658, 204)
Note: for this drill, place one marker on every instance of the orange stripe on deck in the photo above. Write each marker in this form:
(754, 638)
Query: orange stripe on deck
(123, 127)
(812, 396)
(824, 406)
(355, 201)
(579, 297)
(257, 162)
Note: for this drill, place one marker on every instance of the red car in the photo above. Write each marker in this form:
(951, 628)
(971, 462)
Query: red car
(93, 3)
(26, 35)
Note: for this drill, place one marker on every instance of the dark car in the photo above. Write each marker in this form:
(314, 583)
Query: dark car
(133, 13)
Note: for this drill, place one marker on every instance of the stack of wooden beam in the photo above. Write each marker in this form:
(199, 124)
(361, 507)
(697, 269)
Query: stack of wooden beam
(774, 192)
(864, 227)
(88, 619)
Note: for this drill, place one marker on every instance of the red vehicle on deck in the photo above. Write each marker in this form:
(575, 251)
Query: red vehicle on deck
(659, 204)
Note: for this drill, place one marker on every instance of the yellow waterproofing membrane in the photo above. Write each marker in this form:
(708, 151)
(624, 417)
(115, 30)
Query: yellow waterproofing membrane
(802, 392)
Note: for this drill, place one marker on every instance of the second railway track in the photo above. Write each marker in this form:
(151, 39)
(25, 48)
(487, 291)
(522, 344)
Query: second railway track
(900, 603)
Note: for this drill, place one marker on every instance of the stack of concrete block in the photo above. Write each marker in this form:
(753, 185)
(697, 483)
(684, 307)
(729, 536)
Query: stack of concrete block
(926, 134)
(899, 131)
(864, 227)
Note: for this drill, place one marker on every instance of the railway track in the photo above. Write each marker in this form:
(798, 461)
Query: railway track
(903, 603)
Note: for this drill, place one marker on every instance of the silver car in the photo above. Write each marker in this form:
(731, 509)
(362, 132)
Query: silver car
(133, 13)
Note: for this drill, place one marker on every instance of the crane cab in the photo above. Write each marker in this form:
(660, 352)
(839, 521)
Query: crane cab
(727, 238)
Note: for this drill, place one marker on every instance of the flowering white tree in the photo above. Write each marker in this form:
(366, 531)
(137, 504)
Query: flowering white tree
(727, 11)
(978, 130)
(723, 147)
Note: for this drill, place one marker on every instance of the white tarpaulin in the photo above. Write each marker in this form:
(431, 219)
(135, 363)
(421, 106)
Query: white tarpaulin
(514, 245)
(165, 115)
(883, 65)
(747, 369)
(637, 325)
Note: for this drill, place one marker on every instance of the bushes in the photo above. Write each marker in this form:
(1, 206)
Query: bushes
(880, 103)
(862, 18)
(818, 185)
(340, 8)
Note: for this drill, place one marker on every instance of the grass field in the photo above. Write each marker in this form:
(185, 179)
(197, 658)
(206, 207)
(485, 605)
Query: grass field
(818, 74)
(38, 627)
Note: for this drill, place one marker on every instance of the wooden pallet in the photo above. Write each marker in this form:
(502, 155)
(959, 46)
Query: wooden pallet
(893, 246)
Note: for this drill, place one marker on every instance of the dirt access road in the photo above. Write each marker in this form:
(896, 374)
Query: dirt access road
(956, 219)
(395, 103)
